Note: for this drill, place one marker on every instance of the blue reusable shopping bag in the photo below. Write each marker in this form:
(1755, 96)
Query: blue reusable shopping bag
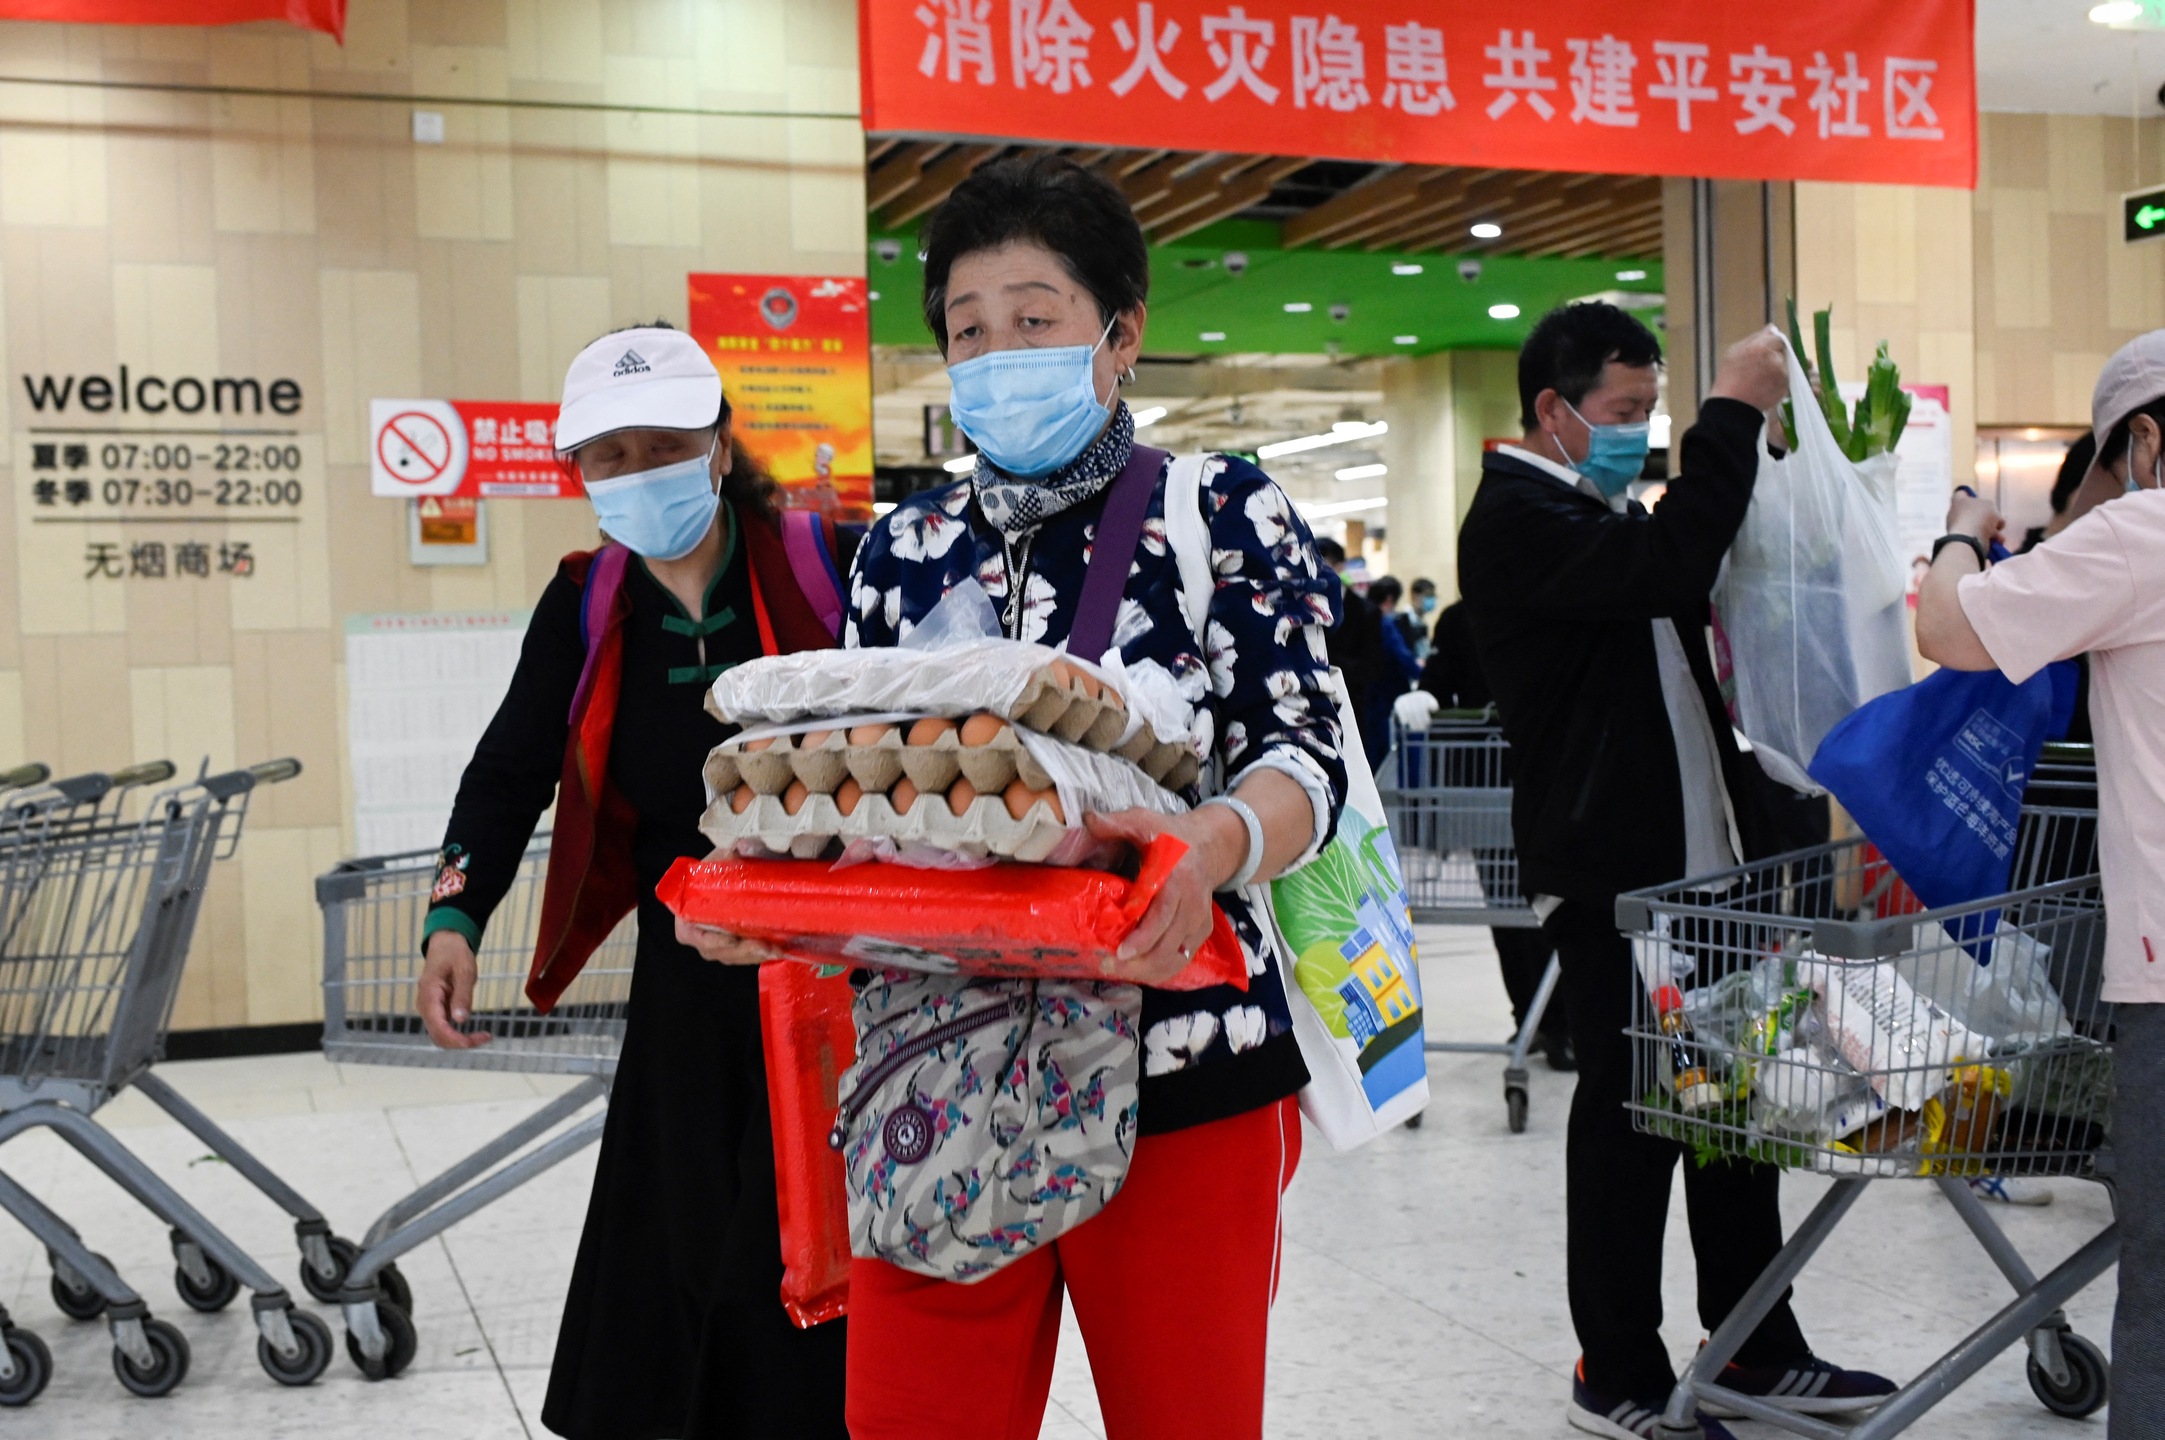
(1934, 776)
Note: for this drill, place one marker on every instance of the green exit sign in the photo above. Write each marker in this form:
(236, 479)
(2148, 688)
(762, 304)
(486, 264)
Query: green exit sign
(2142, 215)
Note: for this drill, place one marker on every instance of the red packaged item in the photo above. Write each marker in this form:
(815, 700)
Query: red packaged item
(804, 1023)
(1004, 920)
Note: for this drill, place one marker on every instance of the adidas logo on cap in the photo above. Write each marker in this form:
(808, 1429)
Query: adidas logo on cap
(631, 364)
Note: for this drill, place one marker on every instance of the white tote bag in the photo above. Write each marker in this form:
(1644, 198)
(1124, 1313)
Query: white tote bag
(1812, 595)
(1341, 925)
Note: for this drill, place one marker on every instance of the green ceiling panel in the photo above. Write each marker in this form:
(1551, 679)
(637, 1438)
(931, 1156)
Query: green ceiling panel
(1193, 293)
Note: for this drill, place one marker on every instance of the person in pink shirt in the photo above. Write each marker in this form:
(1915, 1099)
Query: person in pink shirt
(2099, 588)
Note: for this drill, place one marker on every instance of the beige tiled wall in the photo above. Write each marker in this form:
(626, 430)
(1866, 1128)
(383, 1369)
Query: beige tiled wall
(311, 237)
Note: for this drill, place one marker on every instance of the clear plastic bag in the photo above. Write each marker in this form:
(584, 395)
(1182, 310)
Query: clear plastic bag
(1811, 597)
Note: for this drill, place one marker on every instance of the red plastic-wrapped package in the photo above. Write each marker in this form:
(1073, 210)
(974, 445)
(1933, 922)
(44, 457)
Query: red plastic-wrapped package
(804, 1022)
(1003, 920)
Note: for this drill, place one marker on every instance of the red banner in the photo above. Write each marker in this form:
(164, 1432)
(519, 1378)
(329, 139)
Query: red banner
(1848, 90)
(795, 352)
(329, 16)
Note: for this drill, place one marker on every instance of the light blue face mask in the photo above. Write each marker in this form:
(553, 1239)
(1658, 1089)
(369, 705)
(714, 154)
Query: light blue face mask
(1030, 411)
(661, 513)
(1615, 456)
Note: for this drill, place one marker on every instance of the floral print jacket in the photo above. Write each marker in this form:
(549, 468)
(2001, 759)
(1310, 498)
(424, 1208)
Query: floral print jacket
(1258, 684)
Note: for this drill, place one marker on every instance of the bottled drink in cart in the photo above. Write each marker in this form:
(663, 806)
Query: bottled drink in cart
(1690, 1080)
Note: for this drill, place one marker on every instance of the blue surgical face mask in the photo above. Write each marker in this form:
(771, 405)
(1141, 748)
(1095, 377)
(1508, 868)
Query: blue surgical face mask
(661, 513)
(1030, 411)
(1615, 456)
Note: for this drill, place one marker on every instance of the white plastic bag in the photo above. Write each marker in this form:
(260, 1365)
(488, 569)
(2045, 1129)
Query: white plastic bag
(1811, 598)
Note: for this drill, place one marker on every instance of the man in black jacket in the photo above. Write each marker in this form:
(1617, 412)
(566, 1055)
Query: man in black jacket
(1590, 617)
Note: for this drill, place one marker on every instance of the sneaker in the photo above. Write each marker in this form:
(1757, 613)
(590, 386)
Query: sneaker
(2002, 1191)
(1623, 1419)
(1805, 1387)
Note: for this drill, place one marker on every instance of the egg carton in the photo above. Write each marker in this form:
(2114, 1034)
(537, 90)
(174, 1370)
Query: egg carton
(1025, 684)
(755, 799)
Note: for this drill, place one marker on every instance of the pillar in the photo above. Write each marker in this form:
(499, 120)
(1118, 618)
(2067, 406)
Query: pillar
(1441, 409)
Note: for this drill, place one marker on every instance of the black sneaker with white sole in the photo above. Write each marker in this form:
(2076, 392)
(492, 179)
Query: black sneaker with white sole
(1621, 1418)
(1809, 1386)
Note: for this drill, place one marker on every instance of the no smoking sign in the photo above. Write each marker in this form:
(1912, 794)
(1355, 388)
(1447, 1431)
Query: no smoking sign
(417, 447)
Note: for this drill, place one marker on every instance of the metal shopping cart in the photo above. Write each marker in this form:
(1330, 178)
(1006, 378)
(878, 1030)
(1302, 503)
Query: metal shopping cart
(1448, 794)
(97, 909)
(1806, 1012)
(372, 916)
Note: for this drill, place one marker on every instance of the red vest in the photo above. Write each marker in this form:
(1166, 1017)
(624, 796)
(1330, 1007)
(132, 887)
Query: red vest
(591, 884)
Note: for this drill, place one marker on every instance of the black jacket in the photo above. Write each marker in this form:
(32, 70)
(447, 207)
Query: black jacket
(1560, 591)
(1453, 673)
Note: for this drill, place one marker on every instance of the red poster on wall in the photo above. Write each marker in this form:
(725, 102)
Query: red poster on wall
(1847, 90)
(795, 352)
(329, 16)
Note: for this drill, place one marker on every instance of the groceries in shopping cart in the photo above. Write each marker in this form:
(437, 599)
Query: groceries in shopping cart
(1005, 919)
(926, 790)
(1689, 1079)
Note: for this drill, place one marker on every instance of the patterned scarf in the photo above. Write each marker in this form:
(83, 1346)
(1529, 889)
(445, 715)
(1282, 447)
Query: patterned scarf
(1019, 506)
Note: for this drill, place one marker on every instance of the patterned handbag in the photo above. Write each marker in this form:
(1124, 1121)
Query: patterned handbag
(982, 1118)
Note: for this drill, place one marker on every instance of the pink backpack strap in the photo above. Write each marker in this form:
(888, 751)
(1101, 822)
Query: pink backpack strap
(597, 601)
(813, 566)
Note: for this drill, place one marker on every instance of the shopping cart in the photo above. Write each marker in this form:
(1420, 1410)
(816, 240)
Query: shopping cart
(372, 916)
(97, 909)
(1448, 795)
(1807, 1012)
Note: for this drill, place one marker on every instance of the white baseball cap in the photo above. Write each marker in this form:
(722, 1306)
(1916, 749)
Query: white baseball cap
(648, 378)
(2131, 379)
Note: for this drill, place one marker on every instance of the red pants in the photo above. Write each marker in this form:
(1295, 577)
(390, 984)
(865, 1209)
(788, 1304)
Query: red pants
(1172, 1285)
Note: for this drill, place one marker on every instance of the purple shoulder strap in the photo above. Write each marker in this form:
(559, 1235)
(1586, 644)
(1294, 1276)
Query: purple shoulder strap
(1120, 529)
(604, 582)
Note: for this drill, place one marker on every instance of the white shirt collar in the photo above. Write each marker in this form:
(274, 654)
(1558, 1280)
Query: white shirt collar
(1562, 474)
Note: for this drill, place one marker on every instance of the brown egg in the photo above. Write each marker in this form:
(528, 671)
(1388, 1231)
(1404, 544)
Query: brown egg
(1020, 797)
(904, 795)
(847, 794)
(983, 729)
(814, 739)
(870, 734)
(753, 747)
(1085, 681)
(961, 796)
(1112, 697)
(1062, 673)
(740, 799)
(794, 797)
(928, 730)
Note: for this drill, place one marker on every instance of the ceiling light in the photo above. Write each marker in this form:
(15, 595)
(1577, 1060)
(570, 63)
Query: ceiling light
(1313, 511)
(1505, 311)
(1213, 336)
(1298, 307)
(1338, 434)
(960, 465)
(1657, 432)
(2115, 12)
(1361, 472)
(1631, 274)
(1405, 339)
(883, 507)
(1486, 230)
(1149, 416)
(1406, 267)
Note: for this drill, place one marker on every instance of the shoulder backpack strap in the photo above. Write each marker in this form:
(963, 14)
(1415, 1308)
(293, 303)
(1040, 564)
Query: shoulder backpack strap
(813, 567)
(604, 582)
(1187, 533)
(1120, 529)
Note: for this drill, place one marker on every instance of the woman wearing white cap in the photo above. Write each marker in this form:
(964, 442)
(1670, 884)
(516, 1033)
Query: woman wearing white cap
(2099, 588)
(674, 1325)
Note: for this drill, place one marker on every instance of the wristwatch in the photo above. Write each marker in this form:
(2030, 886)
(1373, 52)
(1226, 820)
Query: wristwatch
(1984, 561)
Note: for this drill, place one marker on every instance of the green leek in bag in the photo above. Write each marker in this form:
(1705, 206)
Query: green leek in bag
(1882, 412)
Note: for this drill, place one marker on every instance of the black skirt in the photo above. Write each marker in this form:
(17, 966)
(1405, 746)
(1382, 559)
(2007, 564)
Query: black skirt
(674, 1326)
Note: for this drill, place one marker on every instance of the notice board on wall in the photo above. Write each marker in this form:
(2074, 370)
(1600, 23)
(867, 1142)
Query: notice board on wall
(420, 689)
(795, 352)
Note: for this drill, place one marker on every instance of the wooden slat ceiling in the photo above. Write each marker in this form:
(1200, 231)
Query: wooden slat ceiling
(1403, 208)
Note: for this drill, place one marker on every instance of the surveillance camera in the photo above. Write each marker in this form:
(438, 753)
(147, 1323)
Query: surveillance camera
(889, 251)
(1341, 313)
(1469, 270)
(1236, 262)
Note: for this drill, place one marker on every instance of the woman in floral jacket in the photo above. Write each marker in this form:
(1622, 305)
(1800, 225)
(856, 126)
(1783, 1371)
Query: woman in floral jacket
(1028, 264)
